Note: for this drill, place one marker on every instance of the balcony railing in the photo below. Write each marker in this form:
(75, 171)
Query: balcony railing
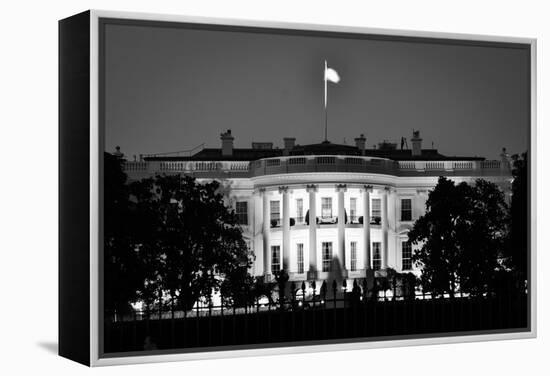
(354, 219)
(327, 220)
(302, 164)
(297, 221)
(375, 220)
(334, 163)
(276, 222)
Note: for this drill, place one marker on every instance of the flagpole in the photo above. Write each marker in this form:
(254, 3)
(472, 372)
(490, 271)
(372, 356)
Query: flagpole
(326, 99)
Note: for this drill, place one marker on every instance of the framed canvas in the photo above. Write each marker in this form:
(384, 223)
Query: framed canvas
(235, 188)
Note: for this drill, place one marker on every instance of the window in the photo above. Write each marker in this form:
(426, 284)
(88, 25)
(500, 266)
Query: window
(275, 213)
(275, 258)
(326, 160)
(376, 256)
(353, 209)
(406, 209)
(295, 161)
(326, 207)
(327, 255)
(406, 256)
(375, 211)
(241, 209)
(299, 210)
(353, 251)
(300, 257)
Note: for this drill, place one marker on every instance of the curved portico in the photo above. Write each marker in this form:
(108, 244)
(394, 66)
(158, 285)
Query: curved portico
(313, 230)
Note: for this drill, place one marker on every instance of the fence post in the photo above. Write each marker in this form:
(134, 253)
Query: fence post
(147, 314)
(324, 293)
(334, 287)
(344, 290)
(303, 294)
(160, 319)
(293, 295)
(313, 287)
(172, 323)
(135, 330)
(394, 282)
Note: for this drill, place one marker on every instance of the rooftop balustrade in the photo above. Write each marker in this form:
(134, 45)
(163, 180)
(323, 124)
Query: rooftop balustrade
(313, 164)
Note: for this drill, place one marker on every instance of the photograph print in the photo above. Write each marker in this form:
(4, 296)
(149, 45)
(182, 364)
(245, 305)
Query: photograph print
(271, 187)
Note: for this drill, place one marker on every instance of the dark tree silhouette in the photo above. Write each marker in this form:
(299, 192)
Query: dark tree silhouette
(120, 257)
(461, 237)
(238, 288)
(195, 239)
(518, 240)
(168, 239)
(483, 238)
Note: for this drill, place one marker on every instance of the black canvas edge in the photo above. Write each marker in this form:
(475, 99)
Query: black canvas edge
(74, 188)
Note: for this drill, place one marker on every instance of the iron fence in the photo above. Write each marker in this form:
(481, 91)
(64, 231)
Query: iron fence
(331, 315)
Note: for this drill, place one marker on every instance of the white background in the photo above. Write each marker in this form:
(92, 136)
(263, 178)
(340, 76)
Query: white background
(28, 190)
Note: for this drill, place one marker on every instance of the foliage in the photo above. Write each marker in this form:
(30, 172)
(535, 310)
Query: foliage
(281, 278)
(516, 252)
(238, 288)
(171, 235)
(121, 259)
(461, 237)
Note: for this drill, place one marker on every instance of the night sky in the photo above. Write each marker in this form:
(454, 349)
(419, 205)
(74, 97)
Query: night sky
(171, 89)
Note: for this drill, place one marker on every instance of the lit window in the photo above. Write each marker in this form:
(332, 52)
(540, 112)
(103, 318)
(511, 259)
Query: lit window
(300, 257)
(299, 210)
(375, 210)
(353, 209)
(326, 207)
(353, 251)
(406, 256)
(241, 209)
(376, 256)
(327, 255)
(406, 209)
(275, 213)
(275, 258)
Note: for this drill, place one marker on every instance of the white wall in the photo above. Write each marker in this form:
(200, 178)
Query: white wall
(29, 217)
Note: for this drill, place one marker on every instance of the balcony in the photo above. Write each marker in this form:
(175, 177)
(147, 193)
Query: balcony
(359, 164)
(375, 220)
(311, 164)
(355, 220)
(327, 220)
(298, 221)
(276, 222)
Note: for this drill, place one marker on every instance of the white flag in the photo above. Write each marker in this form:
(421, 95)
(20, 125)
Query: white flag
(331, 75)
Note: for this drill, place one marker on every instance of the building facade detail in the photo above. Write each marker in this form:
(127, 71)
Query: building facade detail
(326, 211)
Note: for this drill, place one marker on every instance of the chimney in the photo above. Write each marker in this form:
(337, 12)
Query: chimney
(504, 160)
(416, 144)
(360, 143)
(227, 143)
(289, 145)
(118, 153)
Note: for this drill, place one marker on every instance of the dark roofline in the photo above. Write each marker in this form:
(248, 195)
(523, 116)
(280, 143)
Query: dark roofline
(249, 154)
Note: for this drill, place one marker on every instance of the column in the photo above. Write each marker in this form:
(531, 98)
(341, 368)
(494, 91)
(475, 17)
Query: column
(285, 251)
(385, 228)
(367, 189)
(312, 190)
(266, 224)
(341, 188)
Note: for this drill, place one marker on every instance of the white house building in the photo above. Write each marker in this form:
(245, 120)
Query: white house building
(326, 211)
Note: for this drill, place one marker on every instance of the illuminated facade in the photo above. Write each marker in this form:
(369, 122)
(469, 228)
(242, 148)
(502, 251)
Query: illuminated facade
(326, 211)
